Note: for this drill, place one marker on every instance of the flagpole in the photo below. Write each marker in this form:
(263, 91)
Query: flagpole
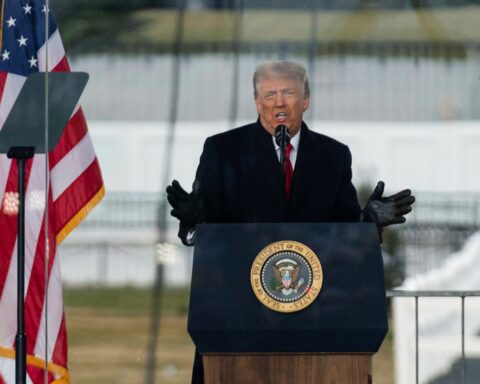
(47, 186)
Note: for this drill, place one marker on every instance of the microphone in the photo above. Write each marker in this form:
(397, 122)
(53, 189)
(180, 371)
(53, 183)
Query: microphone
(282, 136)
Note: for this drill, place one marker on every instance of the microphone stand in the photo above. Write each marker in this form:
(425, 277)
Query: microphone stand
(282, 142)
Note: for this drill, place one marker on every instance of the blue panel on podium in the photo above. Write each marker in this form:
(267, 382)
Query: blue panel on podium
(349, 314)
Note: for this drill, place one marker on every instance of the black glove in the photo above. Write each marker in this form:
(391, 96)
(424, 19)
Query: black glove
(389, 210)
(187, 207)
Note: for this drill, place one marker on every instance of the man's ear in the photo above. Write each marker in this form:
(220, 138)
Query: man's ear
(306, 103)
(258, 105)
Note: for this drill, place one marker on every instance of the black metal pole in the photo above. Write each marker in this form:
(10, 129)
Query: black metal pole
(236, 62)
(312, 51)
(21, 338)
(151, 365)
(21, 154)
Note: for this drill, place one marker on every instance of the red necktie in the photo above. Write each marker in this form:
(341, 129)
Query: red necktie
(288, 170)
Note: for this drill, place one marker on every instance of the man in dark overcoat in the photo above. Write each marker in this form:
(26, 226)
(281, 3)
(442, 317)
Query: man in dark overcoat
(239, 178)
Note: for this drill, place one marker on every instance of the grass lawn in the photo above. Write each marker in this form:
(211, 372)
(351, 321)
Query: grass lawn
(108, 331)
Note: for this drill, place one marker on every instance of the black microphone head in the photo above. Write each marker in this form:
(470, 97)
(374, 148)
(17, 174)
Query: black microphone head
(282, 133)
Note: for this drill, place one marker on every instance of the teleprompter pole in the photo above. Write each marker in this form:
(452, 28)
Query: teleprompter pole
(21, 154)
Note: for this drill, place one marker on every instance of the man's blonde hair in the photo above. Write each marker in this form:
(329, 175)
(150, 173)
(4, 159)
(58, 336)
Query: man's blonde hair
(288, 69)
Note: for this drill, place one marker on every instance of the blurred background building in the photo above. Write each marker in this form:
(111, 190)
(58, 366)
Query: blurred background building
(398, 81)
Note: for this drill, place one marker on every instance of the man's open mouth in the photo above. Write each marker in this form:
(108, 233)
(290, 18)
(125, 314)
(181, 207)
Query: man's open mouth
(281, 117)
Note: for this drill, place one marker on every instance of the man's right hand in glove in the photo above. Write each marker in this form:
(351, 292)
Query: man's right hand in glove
(187, 207)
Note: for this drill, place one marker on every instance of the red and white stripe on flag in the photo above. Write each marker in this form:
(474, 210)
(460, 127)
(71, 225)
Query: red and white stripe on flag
(76, 186)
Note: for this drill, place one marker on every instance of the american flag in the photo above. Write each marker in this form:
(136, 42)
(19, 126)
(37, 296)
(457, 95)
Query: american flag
(76, 186)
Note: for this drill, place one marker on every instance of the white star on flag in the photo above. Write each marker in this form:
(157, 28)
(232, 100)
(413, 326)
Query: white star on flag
(33, 62)
(22, 41)
(36, 200)
(45, 9)
(5, 55)
(27, 8)
(11, 22)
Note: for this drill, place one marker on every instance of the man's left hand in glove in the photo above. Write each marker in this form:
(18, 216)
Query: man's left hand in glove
(389, 210)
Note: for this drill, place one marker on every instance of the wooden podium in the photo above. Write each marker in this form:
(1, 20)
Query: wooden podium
(287, 368)
(331, 341)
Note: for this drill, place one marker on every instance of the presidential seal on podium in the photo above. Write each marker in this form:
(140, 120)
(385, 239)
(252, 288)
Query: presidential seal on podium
(286, 276)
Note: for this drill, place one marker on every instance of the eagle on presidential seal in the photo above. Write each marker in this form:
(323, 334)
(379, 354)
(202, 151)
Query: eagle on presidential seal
(286, 272)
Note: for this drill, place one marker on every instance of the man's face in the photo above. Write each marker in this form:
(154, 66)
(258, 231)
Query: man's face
(281, 100)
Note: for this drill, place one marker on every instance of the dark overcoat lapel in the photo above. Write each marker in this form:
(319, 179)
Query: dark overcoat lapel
(307, 167)
(262, 170)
